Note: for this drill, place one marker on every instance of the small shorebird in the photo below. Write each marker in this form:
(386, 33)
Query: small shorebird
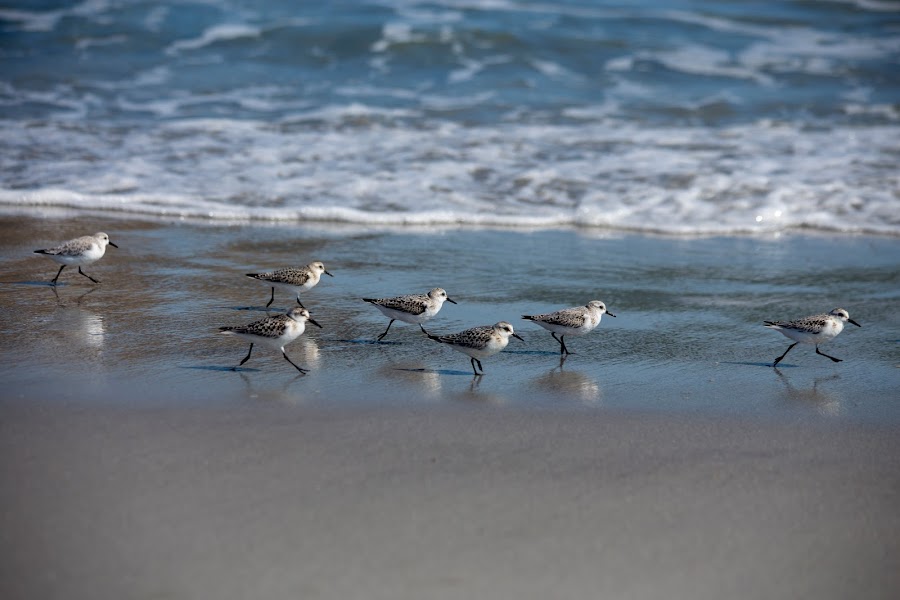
(275, 332)
(292, 279)
(816, 329)
(478, 342)
(415, 308)
(80, 251)
(571, 321)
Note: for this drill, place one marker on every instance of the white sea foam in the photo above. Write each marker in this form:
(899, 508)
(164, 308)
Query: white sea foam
(748, 178)
(812, 52)
(32, 20)
(469, 115)
(886, 111)
(873, 5)
(29, 20)
(93, 42)
(693, 59)
(396, 33)
(213, 35)
(555, 71)
(470, 67)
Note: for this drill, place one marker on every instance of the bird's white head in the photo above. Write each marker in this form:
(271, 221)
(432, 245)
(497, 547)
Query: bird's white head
(103, 239)
(599, 306)
(318, 267)
(298, 314)
(505, 330)
(440, 295)
(301, 315)
(844, 316)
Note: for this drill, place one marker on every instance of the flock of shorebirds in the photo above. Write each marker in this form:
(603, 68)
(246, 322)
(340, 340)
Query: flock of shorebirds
(477, 343)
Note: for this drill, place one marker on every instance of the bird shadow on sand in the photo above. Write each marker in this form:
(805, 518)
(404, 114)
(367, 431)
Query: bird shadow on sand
(220, 368)
(534, 352)
(758, 364)
(438, 371)
(271, 309)
(35, 283)
(370, 342)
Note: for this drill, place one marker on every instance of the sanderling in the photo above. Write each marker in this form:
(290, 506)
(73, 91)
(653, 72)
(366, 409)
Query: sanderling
(478, 342)
(571, 321)
(292, 279)
(275, 332)
(80, 251)
(816, 329)
(415, 308)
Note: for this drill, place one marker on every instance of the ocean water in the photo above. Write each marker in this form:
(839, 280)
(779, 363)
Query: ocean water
(685, 117)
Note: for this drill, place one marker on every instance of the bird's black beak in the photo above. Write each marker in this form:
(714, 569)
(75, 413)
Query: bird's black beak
(516, 335)
(327, 273)
(451, 301)
(854, 322)
(314, 322)
(113, 245)
(610, 314)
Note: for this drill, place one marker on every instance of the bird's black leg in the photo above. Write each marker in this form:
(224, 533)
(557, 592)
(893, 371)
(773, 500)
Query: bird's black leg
(474, 360)
(553, 333)
(562, 343)
(379, 338)
(778, 360)
(272, 299)
(53, 282)
(300, 303)
(826, 356)
(246, 358)
(86, 275)
(303, 371)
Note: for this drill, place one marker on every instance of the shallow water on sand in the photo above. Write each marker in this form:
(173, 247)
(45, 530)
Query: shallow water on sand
(688, 333)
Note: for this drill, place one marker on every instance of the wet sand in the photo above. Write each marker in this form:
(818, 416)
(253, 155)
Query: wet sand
(652, 463)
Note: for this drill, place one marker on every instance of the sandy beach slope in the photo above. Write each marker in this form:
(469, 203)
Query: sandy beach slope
(665, 458)
(269, 501)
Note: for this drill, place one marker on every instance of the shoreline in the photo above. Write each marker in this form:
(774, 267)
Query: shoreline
(38, 211)
(689, 327)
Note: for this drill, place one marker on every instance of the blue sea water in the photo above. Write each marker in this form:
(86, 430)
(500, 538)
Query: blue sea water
(678, 116)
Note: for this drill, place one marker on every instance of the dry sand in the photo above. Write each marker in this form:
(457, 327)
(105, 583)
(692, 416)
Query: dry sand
(270, 501)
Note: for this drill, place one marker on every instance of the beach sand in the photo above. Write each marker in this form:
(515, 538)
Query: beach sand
(662, 460)
(265, 501)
